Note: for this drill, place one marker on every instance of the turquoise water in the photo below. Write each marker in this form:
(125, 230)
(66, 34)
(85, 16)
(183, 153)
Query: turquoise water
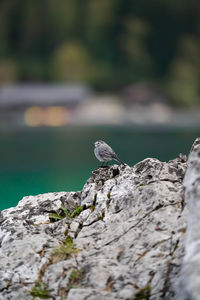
(39, 160)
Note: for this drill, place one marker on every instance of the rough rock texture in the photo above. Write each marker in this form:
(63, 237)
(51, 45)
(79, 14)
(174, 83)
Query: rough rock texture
(190, 283)
(127, 240)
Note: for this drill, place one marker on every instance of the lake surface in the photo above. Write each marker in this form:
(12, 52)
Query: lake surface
(40, 160)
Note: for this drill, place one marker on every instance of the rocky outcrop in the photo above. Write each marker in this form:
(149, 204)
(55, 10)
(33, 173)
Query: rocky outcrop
(190, 280)
(121, 237)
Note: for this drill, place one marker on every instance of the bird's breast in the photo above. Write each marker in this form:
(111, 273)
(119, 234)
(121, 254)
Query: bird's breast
(97, 154)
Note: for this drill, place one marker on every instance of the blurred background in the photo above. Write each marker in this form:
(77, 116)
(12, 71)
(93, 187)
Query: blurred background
(72, 72)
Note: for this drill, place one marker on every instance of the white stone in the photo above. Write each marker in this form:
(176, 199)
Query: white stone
(129, 233)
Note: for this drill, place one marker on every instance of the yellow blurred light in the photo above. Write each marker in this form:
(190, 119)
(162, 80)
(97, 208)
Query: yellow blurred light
(46, 116)
(55, 116)
(33, 116)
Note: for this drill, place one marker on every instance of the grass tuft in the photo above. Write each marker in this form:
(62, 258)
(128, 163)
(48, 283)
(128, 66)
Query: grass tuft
(65, 214)
(74, 279)
(64, 251)
(40, 290)
(143, 294)
(76, 211)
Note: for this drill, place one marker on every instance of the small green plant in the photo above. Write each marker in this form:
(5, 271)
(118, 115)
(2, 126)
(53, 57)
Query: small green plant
(40, 290)
(100, 218)
(74, 278)
(143, 294)
(184, 230)
(76, 211)
(55, 217)
(65, 250)
(92, 207)
(65, 213)
(76, 275)
(175, 247)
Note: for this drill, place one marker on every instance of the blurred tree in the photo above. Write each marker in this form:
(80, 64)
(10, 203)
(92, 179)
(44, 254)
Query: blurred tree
(184, 73)
(4, 26)
(101, 31)
(105, 43)
(64, 19)
(135, 56)
(73, 62)
(8, 71)
(101, 20)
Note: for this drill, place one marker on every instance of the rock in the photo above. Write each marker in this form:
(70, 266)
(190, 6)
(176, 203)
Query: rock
(121, 237)
(190, 279)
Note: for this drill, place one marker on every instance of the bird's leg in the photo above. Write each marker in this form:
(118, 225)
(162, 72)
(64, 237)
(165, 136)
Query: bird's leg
(102, 165)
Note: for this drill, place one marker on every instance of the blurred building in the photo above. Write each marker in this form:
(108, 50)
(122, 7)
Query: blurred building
(144, 94)
(40, 104)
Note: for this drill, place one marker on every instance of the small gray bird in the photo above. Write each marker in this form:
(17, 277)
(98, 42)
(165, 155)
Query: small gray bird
(105, 153)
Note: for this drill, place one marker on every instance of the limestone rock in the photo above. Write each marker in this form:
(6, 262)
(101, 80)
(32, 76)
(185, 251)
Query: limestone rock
(121, 237)
(190, 279)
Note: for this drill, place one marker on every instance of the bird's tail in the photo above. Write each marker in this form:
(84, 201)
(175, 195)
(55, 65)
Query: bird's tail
(120, 161)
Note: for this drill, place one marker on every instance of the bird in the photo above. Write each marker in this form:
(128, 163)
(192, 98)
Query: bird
(105, 153)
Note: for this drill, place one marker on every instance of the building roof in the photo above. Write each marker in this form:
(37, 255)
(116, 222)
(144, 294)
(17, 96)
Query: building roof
(42, 94)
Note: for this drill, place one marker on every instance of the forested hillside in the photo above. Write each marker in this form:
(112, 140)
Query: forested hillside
(107, 44)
